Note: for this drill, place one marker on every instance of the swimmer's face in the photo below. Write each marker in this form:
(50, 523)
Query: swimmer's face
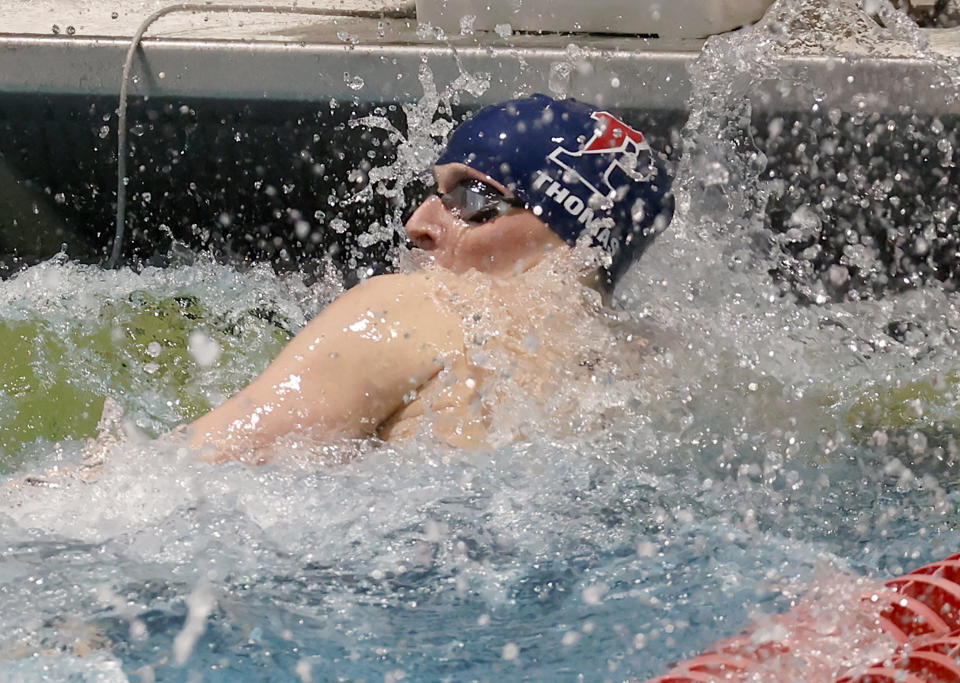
(507, 244)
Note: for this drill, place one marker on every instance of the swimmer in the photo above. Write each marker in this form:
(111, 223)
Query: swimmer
(538, 203)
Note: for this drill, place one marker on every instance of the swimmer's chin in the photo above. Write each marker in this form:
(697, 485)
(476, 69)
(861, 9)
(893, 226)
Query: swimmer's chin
(412, 259)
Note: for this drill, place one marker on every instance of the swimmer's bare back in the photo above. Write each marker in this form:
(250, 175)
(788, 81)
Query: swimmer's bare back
(345, 374)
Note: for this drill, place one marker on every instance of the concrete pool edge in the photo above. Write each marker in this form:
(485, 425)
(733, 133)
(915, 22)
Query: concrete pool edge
(652, 75)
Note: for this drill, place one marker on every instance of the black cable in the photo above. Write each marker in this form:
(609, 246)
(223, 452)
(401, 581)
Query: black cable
(128, 65)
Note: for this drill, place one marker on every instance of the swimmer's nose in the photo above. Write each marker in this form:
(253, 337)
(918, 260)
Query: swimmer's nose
(425, 227)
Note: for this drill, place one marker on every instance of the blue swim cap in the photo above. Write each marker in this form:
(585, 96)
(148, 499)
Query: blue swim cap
(582, 171)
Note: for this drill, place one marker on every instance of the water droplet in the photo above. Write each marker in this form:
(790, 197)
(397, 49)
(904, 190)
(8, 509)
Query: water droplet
(302, 229)
(467, 22)
(646, 549)
(205, 351)
(304, 670)
(946, 148)
(716, 173)
(353, 82)
(593, 595)
(559, 79)
(839, 275)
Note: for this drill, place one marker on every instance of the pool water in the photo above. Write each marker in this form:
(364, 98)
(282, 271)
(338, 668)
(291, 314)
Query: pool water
(788, 436)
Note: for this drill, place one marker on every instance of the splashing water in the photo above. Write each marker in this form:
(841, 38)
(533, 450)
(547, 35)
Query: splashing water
(822, 371)
(428, 124)
(774, 439)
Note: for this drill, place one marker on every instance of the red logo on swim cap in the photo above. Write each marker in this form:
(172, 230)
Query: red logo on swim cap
(613, 135)
(626, 148)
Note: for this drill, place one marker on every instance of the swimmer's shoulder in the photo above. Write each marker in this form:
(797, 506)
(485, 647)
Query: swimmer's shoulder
(421, 304)
(434, 287)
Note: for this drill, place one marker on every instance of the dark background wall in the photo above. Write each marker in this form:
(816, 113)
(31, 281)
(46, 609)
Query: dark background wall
(262, 181)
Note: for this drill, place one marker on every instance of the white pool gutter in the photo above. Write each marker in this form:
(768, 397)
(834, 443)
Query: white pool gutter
(77, 48)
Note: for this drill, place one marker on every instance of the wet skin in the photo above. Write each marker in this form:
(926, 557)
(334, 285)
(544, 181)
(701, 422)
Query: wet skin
(371, 353)
(505, 246)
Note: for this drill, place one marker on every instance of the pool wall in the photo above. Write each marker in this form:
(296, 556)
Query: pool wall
(240, 132)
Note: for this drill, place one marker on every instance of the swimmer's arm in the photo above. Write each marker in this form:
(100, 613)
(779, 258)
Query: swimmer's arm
(342, 375)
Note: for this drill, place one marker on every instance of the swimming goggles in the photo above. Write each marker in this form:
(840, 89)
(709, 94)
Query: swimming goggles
(474, 201)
